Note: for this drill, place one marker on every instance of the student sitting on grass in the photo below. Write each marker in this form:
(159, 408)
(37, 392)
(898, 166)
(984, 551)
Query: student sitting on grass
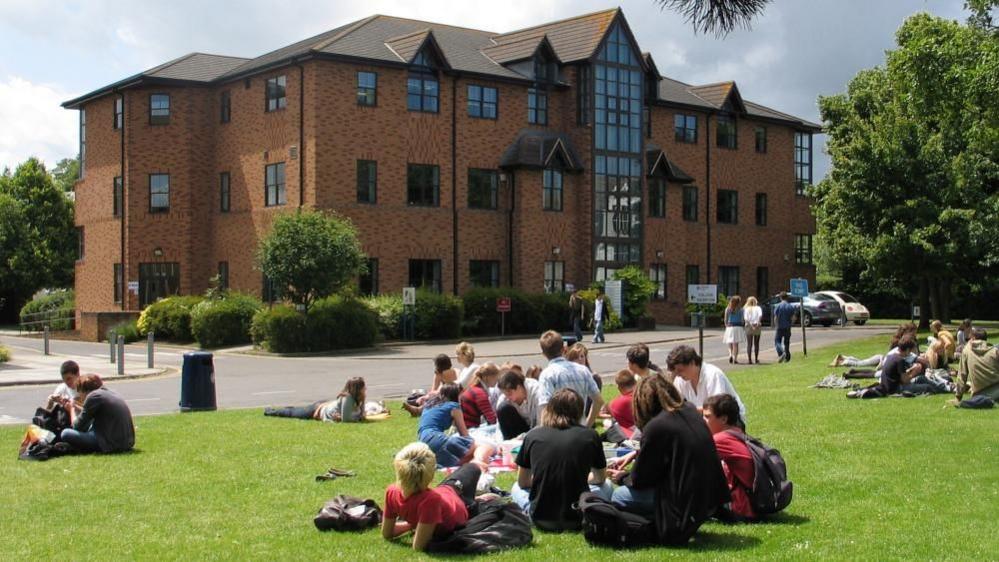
(964, 335)
(65, 393)
(555, 464)
(104, 425)
(475, 405)
(696, 380)
(638, 361)
(620, 408)
(897, 374)
(466, 358)
(721, 413)
(428, 512)
(519, 409)
(561, 373)
(443, 374)
(348, 406)
(940, 351)
(978, 370)
(440, 412)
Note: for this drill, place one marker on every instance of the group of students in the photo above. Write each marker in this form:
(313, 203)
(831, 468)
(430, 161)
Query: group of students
(744, 323)
(691, 462)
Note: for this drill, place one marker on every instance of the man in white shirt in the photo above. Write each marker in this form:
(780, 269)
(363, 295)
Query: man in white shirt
(698, 381)
(518, 410)
(599, 315)
(562, 373)
(65, 393)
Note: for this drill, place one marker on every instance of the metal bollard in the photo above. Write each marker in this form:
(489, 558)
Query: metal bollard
(112, 340)
(149, 350)
(46, 340)
(121, 355)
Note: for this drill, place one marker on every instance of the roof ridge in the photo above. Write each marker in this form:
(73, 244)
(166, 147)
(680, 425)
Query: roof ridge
(581, 16)
(220, 56)
(773, 110)
(407, 35)
(351, 27)
(436, 23)
(713, 84)
(506, 43)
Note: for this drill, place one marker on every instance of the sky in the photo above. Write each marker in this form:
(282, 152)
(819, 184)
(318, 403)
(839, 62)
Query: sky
(54, 50)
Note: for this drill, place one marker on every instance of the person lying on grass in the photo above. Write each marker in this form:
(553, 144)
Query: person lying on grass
(898, 374)
(104, 425)
(440, 412)
(428, 512)
(348, 406)
(443, 374)
(721, 413)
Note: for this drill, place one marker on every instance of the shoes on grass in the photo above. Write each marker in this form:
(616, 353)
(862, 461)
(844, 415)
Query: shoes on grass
(333, 473)
(837, 361)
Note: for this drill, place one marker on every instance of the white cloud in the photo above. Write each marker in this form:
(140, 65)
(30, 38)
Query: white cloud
(33, 124)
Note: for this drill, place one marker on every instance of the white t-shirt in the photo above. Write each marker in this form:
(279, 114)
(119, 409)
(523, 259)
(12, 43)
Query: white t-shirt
(711, 382)
(64, 391)
(752, 315)
(530, 410)
(466, 374)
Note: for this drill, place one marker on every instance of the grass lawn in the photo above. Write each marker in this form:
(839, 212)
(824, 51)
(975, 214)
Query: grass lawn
(954, 322)
(881, 479)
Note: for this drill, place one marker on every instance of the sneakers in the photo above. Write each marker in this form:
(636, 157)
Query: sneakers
(960, 387)
(838, 361)
(854, 394)
(333, 473)
(782, 359)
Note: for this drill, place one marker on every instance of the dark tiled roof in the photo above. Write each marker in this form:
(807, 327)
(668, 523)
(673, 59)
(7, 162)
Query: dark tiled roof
(514, 50)
(407, 45)
(714, 96)
(573, 39)
(656, 158)
(534, 148)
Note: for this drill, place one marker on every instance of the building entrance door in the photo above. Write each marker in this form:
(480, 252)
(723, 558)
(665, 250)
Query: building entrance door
(158, 280)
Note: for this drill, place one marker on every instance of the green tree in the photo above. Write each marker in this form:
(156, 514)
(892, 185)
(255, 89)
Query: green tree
(309, 255)
(638, 290)
(913, 193)
(65, 173)
(39, 216)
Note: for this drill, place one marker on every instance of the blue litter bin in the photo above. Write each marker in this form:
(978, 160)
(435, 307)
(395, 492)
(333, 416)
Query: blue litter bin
(197, 382)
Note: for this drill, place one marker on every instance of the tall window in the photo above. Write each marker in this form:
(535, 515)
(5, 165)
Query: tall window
(728, 280)
(223, 275)
(423, 185)
(159, 109)
(117, 282)
(483, 189)
(685, 128)
(159, 193)
(803, 249)
(224, 192)
(690, 203)
(276, 93)
(274, 189)
(367, 89)
(483, 273)
(537, 106)
(422, 88)
(367, 181)
(425, 274)
(727, 132)
(118, 195)
(802, 162)
(368, 281)
(761, 139)
(83, 141)
(692, 276)
(761, 209)
(554, 276)
(728, 206)
(225, 106)
(552, 190)
(657, 273)
(482, 102)
(584, 91)
(762, 283)
(119, 113)
(657, 197)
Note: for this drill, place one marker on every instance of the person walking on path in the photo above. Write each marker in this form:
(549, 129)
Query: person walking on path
(735, 331)
(599, 314)
(576, 311)
(753, 316)
(783, 318)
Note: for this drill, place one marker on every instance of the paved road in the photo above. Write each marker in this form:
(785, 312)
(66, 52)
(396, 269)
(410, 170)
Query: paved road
(253, 381)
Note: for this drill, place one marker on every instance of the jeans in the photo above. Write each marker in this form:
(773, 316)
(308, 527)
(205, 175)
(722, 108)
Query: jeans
(577, 329)
(638, 501)
(782, 341)
(464, 481)
(851, 361)
(511, 423)
(598, 330)
(305, 413)
(81, 441)
(522, 496)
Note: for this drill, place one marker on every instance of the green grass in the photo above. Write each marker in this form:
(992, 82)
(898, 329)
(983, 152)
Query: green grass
(954, 322)
(874, 480)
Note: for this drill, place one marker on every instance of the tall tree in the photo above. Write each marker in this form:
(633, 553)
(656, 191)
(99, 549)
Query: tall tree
(720, 17)
(913, 194)
(65, 173)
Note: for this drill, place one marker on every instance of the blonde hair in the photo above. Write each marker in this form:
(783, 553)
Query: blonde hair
(751, 301)
(414, 468)
(487, 370)
(465, 349)
(734, 302)
(936, 326)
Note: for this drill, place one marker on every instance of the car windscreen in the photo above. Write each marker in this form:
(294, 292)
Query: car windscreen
(847, 298)
(820, 297)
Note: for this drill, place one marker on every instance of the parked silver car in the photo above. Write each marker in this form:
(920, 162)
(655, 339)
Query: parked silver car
(819, 309)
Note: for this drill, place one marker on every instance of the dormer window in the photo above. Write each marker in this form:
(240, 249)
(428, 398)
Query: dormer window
(422, 87)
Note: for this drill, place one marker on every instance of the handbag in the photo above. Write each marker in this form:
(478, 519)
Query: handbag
(348, 513)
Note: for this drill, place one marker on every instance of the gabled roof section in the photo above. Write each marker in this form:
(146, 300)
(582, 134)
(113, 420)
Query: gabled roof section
(524, 49)
(407, 46)
(675, 92)
(537, 149)
(721, 95)
(659, 164)
(573, 39)
(650, 65)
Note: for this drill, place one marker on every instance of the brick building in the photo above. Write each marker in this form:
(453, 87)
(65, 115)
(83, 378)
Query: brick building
(550, 155)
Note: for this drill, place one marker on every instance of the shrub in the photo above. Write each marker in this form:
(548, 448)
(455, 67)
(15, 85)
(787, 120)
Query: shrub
(710, 310)
(388, 310)
(4, 354)
(60, 302)
(531, 313)
(613, 321)
(127, 329)
(637, 291)
(224, 321)
(340, 322)
(438, 316)
(169, 318)
(280, 329)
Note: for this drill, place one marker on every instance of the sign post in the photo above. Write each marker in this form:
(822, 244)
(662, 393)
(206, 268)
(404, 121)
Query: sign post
(799, 288)
(701, 295)
(614, 289)
(503, 306)
(408, 305)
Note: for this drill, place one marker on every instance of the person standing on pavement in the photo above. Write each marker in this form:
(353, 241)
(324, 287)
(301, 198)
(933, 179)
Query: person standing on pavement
(753, 316)
(577, 310)
(783, 319)
(599, 314)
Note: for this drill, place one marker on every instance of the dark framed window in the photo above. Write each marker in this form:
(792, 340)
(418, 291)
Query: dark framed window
(81, 248)
(423, 182)
(274, 188)
(269, 290)
(657, 197)
(225, 106)
(692, 276)
(158, 280)
(276, 93)
(159, 193)
(728, 280)
(422, 93)
(537, 106)
(83, 141)
(584, 91)
(223, 275)
(368, 281)
(483, 273)
(554, 276)
(552, 190)
(657, 273)
(367, 89)
(225, 192)
(118, 193)
(760, 135)
(367, 181)
(425, 274)
(803, 249)
(762, 283)
(483, 189)
(159, 109)
(690, 203)
(761, 209)
(117, 282)
(119, 113)
(685, 128)
(726, 132)
(802, 162)
(728, 206)
(482, 102)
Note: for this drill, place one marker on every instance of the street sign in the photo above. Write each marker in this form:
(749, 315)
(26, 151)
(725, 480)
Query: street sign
(133, 287)
(503, 304)
(799, 287)
(915, 311)
(614, 289)
(409, 296)
(702, 294)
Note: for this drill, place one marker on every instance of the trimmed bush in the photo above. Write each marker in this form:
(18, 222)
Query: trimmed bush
(531, 313)
(388, 310)
(280, 329)
(340, 322)
(169, 318)
(4, 354)
(438, 316)
(127, 329)
(613, 321)
(638, 290)
(224, 321)
(56, 302)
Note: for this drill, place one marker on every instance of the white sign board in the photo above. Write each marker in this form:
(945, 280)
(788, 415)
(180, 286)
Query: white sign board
(614, 289)
(915, 311)
(702, 294)
(409, 296)
(133, 287)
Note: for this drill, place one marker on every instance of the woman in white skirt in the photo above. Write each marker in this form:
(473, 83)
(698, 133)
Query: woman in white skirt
(753, 315)
(735, 333)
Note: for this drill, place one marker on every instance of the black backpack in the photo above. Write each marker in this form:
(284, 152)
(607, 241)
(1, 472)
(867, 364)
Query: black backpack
(771, 491)
(606, 524)
(347, 513)
(495, 526)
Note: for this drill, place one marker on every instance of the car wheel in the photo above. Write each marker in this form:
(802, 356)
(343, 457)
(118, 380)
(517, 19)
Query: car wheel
(808, 319)
(860, 322)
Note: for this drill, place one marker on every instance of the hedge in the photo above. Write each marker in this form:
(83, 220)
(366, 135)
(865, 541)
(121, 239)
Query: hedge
(169, 318)
(224, 321)
(335, 322)
(436, 316)
(4, 354)
(388, 311)
(127, 329)
(58, 300)
(531, 313)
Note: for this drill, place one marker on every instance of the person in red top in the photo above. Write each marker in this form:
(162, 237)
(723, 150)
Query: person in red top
(721, 412)
(474, 400)
(428, 512)
(620, 408)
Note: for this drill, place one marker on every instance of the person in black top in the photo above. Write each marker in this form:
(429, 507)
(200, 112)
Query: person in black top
(897, 373)
(677, 479)
(104, 425)
(556, 460)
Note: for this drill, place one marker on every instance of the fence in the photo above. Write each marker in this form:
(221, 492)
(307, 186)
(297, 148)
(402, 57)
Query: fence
(62, 319)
